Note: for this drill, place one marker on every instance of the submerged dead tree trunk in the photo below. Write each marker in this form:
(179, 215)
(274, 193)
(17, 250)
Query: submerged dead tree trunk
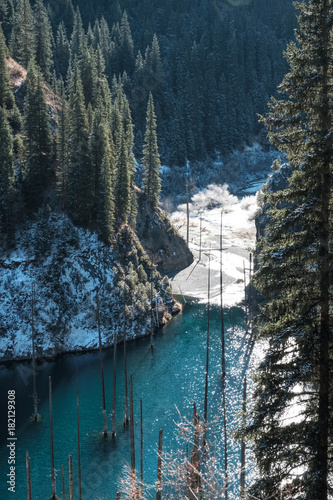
(195, 478)
(125, 372)
(200, 237)
(78, 428)
(54, 496)
(105, 426)
(63, 482)
(151, 316)
(132, 426)
(159, 466)
(134, 491)
(114, 385)
(141, 449)
(187, 216)
(242, 474)
(34, 396)
(250, 294)
(207, 362)
(70, 477)
(223, 370)
(27, 463)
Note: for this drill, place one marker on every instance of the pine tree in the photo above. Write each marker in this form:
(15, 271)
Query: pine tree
(7, 175)
(61, 55)
(7, 13)
(294, 274)
(80, 196)
(123, 182)
(6, 94)
(105, 43)
(78, 39)
(63, 150)
(126, 54)
(106, 183)
(44, 40)
(37, 139)
(23, 39)
(151, 164)
(7, 101)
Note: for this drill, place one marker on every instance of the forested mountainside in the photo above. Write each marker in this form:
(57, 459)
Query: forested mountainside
(211, 66)
(68, 176)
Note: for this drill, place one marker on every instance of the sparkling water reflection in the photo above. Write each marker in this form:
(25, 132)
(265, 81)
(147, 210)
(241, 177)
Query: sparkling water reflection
(169, 377)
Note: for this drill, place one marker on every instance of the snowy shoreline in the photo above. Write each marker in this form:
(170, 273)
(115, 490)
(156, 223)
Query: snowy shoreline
(238, 240)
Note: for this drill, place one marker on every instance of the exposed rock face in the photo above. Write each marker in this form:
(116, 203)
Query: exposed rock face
(165, 247)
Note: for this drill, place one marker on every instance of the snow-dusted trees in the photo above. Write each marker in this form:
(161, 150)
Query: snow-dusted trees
(37, 139)
(151, 159)
(291, 426)
(7, 174)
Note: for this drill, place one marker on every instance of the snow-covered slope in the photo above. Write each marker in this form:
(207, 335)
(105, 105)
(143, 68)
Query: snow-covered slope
(50, 282)
(238, 233)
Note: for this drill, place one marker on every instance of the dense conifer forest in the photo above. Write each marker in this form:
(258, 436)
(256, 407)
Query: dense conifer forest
(207, 69)
(94, 97)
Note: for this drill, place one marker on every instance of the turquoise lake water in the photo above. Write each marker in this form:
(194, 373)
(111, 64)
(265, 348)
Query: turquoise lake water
(167, 378)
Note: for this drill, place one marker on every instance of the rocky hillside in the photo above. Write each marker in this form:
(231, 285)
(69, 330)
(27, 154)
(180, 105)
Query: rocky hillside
(164, 245)
(53, 278)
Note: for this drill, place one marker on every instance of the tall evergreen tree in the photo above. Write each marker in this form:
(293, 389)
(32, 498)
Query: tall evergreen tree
(23, 38)
(126, 50)
(123, 181)
(105, 180)
(151, 164)
(44, 40)
(63, 150)
(61, 55)
(294, 273)
(6, 94)
(7, 101)
(37, 139)
(81, 176)
(7, 175)
(7, 13)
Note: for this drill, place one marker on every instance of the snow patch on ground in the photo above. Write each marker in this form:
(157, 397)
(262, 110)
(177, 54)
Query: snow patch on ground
(238, 240)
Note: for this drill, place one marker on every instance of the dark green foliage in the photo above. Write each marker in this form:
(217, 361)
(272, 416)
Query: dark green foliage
(7, 16)
(63, 150)
(151, 164)
(123, 183)
(61, 55)
(23, 38)
(6, 94)
(294, 261)
(44, 40)
(37, 139)
(105, 187)
(7, 175)
(81, 184)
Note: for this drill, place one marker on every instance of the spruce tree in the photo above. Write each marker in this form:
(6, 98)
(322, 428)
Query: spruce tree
(294, 274)
(23, 39)
(151, 164)
(78, 38)
(63, 151)
(6, 94)
(7, 101)
(126, 50)
(7, 175)
(106, 185)
(37, 139)
(123, 180)
(44, 40)
(61, 54)
(80, 195)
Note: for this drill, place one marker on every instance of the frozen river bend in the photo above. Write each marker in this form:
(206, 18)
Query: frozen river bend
(238, 240)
